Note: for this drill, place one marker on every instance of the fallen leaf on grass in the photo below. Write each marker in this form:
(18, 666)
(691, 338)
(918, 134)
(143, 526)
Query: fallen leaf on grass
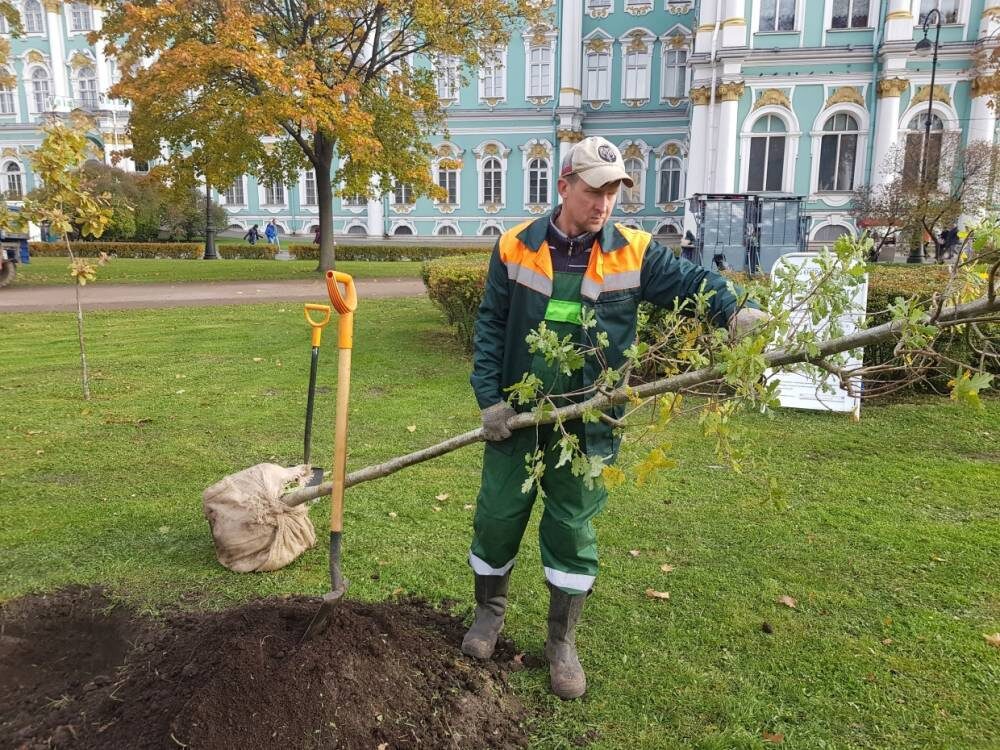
(775, 738)
(411, 427)
(667, 568)
(179, 392)
(993, 640)
(935, 558)
(392, 514)
(787, 601)
(442, 497)
(634, 553)
(651, 594)
(436, 508)
(39, 452)
(468, 506)
(258, 359)
(886, 641)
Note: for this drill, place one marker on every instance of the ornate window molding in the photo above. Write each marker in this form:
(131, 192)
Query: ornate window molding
(447, 78)
(536, 169)
(539, 68)
(791, 146)
(671, 171)
(401, 224)
(493, 78)
(235, 195)
(675, 48)
(637, 64)
(635, 155)
(598, 62)
(638, 7)
(401, 198)
(490, 228)
(447, 173)
(491, 196)
(38, 79)
(10, 101)
(818, 133)
(13, 180)
(447, 228)
(600, 8)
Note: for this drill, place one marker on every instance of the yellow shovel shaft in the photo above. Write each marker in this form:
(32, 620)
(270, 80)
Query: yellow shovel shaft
(340, 427)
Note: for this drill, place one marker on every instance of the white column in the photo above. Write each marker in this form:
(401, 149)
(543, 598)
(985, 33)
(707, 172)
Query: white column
(102, 66)
(982, 118)
(571, 51)
(376, 213)
(734, 24)
(697, 150)
(57, 52)
(899, 22)
(706, 26)
(728, 96)
(886, 127)
(989, 22)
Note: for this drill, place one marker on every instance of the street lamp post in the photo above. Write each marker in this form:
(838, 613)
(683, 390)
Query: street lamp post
(923, 47)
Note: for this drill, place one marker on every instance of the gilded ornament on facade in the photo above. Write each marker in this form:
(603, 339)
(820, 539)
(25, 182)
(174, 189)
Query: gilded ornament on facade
(891, 87)
(539, 101)
(634, 9)
(678, 41)
(672, 101)
(447, 208)
(700, 95)
(402, 208)
(678, 9)
(772, 98)
(537, 208)
(597, 44)
(596, 103)
(444, 150)
(671, 149)
(52, 6)
(638, 43)
(34, 56)
(733, 22)
(570, 90)
(598, 12)
(730, 92)
(539, 36)
(635, 103)
(986, 85)
(633, 151)
(492, 208)
(923, 94)
(492, 101)
(845, 95)
(8, 151)
(667, 208)
(631, 208)
(569, 135)
(491, 149)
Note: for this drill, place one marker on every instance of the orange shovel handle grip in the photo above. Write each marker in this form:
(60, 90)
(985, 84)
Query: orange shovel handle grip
(344, 303)
(317, 325)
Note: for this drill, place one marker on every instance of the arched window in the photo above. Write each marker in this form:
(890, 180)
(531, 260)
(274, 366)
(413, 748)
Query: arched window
(538, 181)
(87, 86)
(491, 231)
(446, 230)
(14, 187)
(670, 180)
(632, 196)
(357, 229)
(402, 230)
(674, 73)
(6, 98)
(767, 154)
(838, 153)
(40, 89)
(448, 179)
(492, 181)
(34, 17)
(914, 158)
(830, 233)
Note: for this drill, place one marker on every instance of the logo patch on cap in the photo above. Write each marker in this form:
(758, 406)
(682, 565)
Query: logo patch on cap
(607, 153)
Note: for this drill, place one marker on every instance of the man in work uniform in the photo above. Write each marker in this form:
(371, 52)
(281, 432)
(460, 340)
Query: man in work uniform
(547, 270)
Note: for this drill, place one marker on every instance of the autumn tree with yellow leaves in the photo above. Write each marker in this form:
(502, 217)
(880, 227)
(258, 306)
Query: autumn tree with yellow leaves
(270, 87)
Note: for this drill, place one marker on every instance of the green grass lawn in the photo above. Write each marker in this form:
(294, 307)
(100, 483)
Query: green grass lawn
(888, 535)
(53, 271)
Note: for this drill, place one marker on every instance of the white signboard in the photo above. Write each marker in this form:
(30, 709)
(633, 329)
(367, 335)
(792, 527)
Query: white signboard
(819, 389)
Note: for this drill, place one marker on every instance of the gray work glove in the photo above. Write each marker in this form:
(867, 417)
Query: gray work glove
(745, 320)
(495, 421)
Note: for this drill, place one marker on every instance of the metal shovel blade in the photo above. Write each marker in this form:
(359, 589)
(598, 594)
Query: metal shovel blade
(338, 587)
(317, 477)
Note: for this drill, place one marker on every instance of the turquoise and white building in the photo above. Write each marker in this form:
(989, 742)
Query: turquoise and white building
(800, 97)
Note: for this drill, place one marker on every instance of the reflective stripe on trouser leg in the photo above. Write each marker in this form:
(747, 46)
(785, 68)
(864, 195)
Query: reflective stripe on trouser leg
(566, 532)
(502, 510)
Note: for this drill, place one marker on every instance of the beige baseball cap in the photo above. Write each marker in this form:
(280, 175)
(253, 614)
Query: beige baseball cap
(598, 162)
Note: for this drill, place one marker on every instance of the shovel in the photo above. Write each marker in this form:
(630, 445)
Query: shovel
(345, 305)
(317, 337)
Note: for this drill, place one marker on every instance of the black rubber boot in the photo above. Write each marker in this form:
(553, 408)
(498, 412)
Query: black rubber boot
(491, 603)
(565, 672)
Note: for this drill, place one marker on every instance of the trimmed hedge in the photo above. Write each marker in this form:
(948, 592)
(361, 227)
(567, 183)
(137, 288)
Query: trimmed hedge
(263, 251)
(179, 250)
(456, 286)
(386, 252)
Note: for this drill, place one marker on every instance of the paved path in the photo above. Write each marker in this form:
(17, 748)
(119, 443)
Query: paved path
(116, 296)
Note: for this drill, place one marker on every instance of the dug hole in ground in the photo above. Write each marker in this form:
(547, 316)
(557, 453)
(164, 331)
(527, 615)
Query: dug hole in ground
(81, 671)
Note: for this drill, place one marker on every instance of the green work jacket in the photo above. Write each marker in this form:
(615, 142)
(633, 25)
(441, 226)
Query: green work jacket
(626, 267)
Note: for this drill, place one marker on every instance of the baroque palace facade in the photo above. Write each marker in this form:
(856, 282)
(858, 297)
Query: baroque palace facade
(797, 97)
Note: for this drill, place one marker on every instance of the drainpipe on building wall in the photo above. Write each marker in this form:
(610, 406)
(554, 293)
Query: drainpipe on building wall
(709, 186)
(873, 109)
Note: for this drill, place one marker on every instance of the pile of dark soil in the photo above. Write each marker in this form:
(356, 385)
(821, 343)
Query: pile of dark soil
(76, 671)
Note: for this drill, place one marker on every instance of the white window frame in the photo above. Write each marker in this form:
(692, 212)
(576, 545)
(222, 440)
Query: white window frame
(792, 135)
(406, 188)
(666, 48)
(95, 100)
(6, 175)
(484, 152)
(264, 187)
(951, 126)
(449, 224)
(79, 11)
(547, 50)
(599, 91)
(962, 12)
(243, 192)
(493, 61)
(490, 224)
(529, 151)
(304, 190)
(796, 29)
(403, 223)
(600, 8)
(453, 152)
(30, 79)
(828, 18)
(661, 164)
(860, 114)
(24, 19)
(13, 93)
(354, 201)
(447, 78)
(641, 89)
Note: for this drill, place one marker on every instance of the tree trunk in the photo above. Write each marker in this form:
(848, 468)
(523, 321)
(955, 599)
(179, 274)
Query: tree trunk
(323, 149)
